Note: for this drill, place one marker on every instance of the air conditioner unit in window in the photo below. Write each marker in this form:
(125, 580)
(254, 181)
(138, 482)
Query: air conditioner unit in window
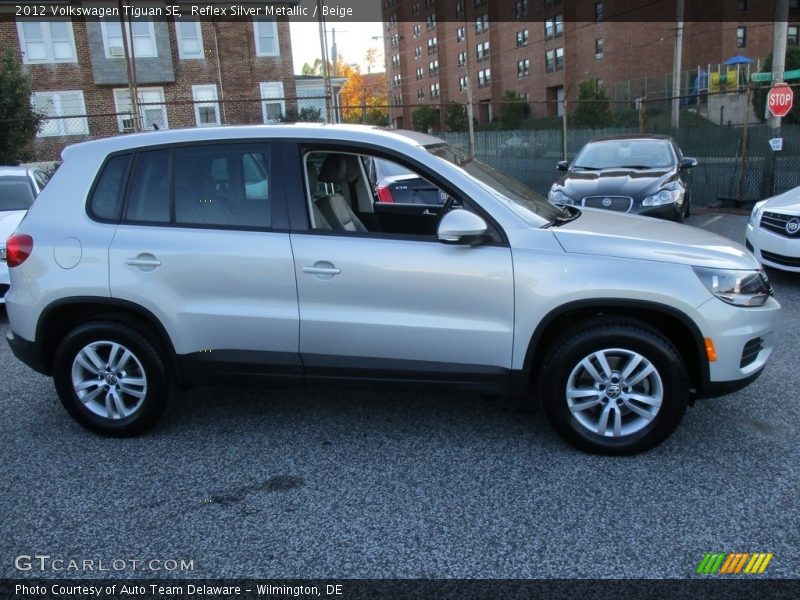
(116, 51)
(127, 125)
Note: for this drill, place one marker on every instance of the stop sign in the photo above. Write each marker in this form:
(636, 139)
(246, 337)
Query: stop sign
(780, 99)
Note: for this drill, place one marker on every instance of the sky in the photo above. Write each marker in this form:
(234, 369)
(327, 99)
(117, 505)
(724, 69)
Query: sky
(352, 40)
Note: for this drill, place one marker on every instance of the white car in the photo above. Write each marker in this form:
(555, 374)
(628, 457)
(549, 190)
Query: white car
(18, 187)
(773, 232)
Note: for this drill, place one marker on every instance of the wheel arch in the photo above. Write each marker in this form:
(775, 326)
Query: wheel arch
(58, 318)
(673, 324)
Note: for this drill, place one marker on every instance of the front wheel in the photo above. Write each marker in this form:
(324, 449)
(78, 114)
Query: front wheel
(110, 379)
(614, 388)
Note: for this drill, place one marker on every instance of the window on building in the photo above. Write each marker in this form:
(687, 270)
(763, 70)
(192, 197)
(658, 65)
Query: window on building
(482, 24)
(433, 67)
(559, 24)
(484, 78)
(792, 35)
(415, 9)
(462, 84)
(395, 40)
(482, 51)
(598, 48)
(462, 59)
(61, 104)
(741, 37)
(522, 38)
(266, 35)
(741, 5)
(435, 90)
(549, 61)
(418, 52)
(420, 94)
(417, 30)
(141, 35)
(430, 22)
(397, 80)
(520, 8)
(396, 61)
(190, 38)
(523, 67)
(433, 44)
(549, 29)
(559, 59)
(478, 3)
(420, 74)
(599, 12)
(46, 42)
(152, 110)
(460, 8)
(460, 34)
(206, 107)
(273, 104)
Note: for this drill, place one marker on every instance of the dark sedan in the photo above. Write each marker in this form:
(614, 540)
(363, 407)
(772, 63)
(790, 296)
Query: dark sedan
(397, 185)
(643, 175)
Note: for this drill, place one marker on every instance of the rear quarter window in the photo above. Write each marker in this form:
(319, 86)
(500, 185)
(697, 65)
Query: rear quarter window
(109, 190)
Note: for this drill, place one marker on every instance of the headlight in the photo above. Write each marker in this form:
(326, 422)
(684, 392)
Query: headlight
(755, 214)
(559, 197)
(672, 194)
(740, 288)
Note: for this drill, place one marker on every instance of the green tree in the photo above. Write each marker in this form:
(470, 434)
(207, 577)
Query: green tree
(760, 95)
(307, 114)
(424, 118)
(455, 116)
(313, 70)
(593, 107)
(513, 110)
(21, 122)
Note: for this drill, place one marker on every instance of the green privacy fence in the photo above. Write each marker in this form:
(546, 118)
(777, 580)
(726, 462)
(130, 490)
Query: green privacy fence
(725, 175)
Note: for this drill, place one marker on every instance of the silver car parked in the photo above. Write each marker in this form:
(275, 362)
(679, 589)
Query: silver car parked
(262, 252)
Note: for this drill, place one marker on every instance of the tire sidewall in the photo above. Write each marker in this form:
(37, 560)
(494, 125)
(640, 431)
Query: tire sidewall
(157, 385)
(658, 351)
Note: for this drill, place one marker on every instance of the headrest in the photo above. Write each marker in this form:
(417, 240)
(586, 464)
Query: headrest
(333, 169)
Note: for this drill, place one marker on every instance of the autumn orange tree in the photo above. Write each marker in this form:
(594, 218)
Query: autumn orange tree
(364, 98)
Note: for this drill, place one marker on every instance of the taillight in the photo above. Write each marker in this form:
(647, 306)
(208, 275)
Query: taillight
(18, 249)
(384, 194)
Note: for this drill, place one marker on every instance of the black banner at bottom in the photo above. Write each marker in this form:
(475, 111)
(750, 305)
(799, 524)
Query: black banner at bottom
(732, 588)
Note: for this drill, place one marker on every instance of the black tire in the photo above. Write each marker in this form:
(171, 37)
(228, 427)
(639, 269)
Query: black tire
(625, 335)
(145, 364)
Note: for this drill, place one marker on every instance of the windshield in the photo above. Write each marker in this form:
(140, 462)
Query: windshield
(16, 193)
(630, 154)
(518, 197)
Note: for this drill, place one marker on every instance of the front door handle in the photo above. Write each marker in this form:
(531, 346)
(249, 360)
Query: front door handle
(323, 269)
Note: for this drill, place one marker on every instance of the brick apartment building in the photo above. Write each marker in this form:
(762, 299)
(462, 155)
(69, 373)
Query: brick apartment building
(183, 72)
(542, 49)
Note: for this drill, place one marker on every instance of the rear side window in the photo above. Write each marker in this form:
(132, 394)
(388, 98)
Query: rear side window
(106, 200)
(148, 201)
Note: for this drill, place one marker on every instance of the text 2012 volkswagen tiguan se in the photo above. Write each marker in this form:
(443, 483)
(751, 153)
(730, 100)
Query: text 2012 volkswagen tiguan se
(192, 256)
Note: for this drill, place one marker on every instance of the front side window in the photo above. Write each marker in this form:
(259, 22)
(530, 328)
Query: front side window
(46, 42)
(58, 105)
(266, 34)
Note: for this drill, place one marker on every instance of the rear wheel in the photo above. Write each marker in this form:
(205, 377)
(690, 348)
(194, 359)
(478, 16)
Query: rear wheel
(614, 388)
(110, 379)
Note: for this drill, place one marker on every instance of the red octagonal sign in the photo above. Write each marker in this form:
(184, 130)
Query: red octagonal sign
(780, 99)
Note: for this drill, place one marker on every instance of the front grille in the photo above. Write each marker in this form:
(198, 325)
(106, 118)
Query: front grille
(3, 289)
(776, 223)
(615, 203)
(780, 259)
(750, 352)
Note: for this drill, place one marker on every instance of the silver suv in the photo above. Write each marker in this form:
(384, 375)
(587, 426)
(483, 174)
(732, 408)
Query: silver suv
(194, 256)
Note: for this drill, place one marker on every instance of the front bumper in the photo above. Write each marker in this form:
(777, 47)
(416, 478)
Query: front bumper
(671, 212)
(744, 339)
(781, 252)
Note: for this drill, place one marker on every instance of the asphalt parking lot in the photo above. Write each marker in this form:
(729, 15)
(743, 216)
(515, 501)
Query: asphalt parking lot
(352, 484)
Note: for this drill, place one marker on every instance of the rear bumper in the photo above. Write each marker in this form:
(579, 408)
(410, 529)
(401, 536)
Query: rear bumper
(27, 352)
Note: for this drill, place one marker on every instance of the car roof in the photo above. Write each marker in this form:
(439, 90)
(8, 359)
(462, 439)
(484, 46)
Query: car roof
(349, 133)
(632, 136)
(15, 171)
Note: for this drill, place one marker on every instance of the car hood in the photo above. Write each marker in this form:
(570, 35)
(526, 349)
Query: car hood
(602, 232)
(9, 221)
(614, 182)
(788, 202)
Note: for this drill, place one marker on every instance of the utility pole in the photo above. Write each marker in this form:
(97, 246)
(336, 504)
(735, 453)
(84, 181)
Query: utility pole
(470, 124)
(130, 64)
(779, 50)
(676, 66)
(323, 43)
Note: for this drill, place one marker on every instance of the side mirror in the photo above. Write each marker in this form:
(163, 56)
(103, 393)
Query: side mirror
(688, 162)
(460, 226)
(563, 165)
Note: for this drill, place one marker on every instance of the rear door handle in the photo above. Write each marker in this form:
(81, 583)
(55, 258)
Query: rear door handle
(429, 213)
(322, 269)
(145, 261)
